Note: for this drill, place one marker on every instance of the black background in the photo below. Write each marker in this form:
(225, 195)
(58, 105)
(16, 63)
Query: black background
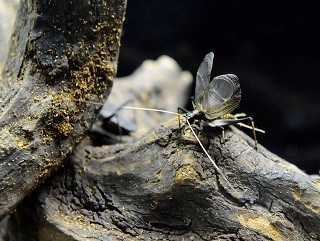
(272, 46)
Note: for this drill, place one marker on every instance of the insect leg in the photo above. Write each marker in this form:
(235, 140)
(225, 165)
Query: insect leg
(193, 103)
(184, 111)
(253, 129)
(222, 134)
(180, 110)
(254, 134)
(226, 122)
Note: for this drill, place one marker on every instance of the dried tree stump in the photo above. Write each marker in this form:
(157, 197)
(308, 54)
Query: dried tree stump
(61, 51)
(163, 187)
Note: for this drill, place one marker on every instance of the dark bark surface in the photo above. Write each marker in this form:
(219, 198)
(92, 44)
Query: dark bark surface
(61, 51)
(164, 187)
(160, 187)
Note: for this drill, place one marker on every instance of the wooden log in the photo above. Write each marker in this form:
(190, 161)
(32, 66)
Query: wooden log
(163, 187)
(61, 52)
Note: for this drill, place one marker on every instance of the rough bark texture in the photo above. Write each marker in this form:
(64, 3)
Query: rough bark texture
(160, 187)
(164, 187)
(60, 51)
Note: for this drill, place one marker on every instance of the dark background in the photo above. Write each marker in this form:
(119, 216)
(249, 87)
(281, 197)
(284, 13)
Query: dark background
(272, 46)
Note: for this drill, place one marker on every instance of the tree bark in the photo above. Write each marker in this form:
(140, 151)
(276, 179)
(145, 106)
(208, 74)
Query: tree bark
(160, 187)
(61, 52)
(164, 187)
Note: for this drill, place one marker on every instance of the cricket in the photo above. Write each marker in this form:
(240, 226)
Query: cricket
(213, 102)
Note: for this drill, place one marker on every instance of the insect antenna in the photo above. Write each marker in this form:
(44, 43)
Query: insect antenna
(117, 127)
(150, 109)
(207, 154)
(192, 130)
(194, 134)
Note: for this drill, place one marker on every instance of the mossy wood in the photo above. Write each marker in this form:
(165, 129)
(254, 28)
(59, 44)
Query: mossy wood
(163, 187)
(61, 52)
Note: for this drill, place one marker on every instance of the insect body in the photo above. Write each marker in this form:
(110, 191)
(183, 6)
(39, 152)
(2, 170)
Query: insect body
(215, 99)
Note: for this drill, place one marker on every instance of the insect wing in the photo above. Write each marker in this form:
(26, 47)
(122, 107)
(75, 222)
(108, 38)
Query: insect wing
(203, 77)
(224, 95)
(221, 87)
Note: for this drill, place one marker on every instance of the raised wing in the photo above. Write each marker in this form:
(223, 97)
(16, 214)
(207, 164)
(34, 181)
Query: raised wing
(222, 97)
(203, 78)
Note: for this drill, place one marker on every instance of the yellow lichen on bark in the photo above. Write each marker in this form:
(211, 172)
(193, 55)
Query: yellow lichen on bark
(262, 225)
(299, 197)
(185, 174)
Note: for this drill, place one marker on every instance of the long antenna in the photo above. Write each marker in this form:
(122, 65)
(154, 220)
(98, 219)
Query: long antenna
(195, 135)
(193, 132)
(212, 161)
(150, 109)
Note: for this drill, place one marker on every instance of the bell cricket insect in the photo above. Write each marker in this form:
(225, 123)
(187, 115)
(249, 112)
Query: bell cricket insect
(213, 102)
(215, 99)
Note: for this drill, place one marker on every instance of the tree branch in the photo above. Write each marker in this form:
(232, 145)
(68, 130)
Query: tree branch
(61, 51)
(164, 187)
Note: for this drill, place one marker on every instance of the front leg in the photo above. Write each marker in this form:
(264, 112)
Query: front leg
(183, 111)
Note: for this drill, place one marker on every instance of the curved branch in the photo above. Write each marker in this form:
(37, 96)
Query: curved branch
(163, 187)
(61, 51)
